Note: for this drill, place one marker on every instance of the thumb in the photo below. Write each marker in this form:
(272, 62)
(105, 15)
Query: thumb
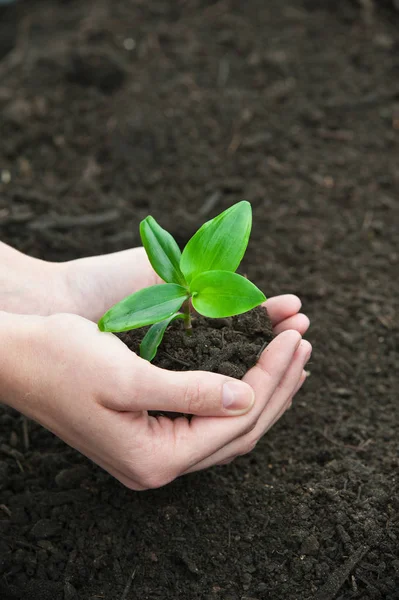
(191, 392)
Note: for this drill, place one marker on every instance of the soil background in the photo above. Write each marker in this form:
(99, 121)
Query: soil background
(112, 110)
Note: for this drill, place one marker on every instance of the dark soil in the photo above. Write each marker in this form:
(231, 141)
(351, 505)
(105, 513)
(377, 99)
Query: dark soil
(227, 346)
(112, 110)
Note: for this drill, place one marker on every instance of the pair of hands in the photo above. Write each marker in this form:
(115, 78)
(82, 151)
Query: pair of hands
(94, 393)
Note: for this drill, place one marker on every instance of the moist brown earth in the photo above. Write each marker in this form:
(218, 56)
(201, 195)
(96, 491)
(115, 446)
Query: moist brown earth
(113, 110)
(228, 346)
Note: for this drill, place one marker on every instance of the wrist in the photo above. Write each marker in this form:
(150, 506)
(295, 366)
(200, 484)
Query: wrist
(29, 285)
(93, 284)
(18, 335)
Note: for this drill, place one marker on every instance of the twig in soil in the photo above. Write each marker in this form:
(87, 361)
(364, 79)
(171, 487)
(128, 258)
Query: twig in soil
(5, 509)
(66, 221)
(34, 196)
(224, 71)
(234, 144)
(17, 56)
(128, 585)
(178, 360)
(337, 579)
(223, 339)
(25, 432)
(340, 135)
(261, 350)
(365, 101)
(367, 7)
(23, 217)
(209, 204)
(17, 456)
(23, 544)
(354, 585)
(360, 448)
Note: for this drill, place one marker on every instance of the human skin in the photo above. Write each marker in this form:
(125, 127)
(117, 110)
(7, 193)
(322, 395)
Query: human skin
(94, 393)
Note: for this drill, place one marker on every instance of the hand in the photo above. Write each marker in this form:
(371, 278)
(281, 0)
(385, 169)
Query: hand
(90, 286)
(94, 393)
(119, 274)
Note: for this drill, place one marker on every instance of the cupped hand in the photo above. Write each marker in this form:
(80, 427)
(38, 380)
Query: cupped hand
(95, 394)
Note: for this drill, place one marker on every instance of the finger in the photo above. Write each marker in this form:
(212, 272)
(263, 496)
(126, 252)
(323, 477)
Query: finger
(287, 390)
(302, 380)
(274, 409)
(286, 387)
(192, 392)
(282, 307)
(208, 435)
(298, 387)
(299, 322)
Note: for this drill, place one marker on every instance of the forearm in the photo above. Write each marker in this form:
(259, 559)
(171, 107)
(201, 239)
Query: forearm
(86, 286)
(28, 285)
(17, 355)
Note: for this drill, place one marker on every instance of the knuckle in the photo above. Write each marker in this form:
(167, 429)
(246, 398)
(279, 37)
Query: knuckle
(155, 479)
(125, 376)
(193, 399)
(126, 392)
(131, 485)
(249, 445)
(250, 426)
(151, 473)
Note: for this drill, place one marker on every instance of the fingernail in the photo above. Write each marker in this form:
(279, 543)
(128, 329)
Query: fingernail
(237, 397)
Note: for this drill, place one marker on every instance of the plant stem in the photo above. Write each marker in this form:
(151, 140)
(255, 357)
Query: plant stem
(187, 317)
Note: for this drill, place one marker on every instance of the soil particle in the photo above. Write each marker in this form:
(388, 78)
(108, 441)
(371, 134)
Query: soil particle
(97, 68)
(45, 528)
(70, 478)
(310, 546)
(70, 593)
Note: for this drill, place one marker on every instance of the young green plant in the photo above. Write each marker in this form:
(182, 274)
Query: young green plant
(203, 276)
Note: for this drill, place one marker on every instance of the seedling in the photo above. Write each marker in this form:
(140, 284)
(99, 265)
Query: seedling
(203, 276)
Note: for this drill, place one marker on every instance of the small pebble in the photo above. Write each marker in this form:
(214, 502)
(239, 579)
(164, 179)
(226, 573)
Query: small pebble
(310, 546)
(45, 528)
(71, 478)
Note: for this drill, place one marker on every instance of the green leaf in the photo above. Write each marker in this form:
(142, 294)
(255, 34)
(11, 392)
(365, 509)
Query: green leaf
(162, 250)
(153, 337)
(148, 306)
(219, 244)
(219, 294)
